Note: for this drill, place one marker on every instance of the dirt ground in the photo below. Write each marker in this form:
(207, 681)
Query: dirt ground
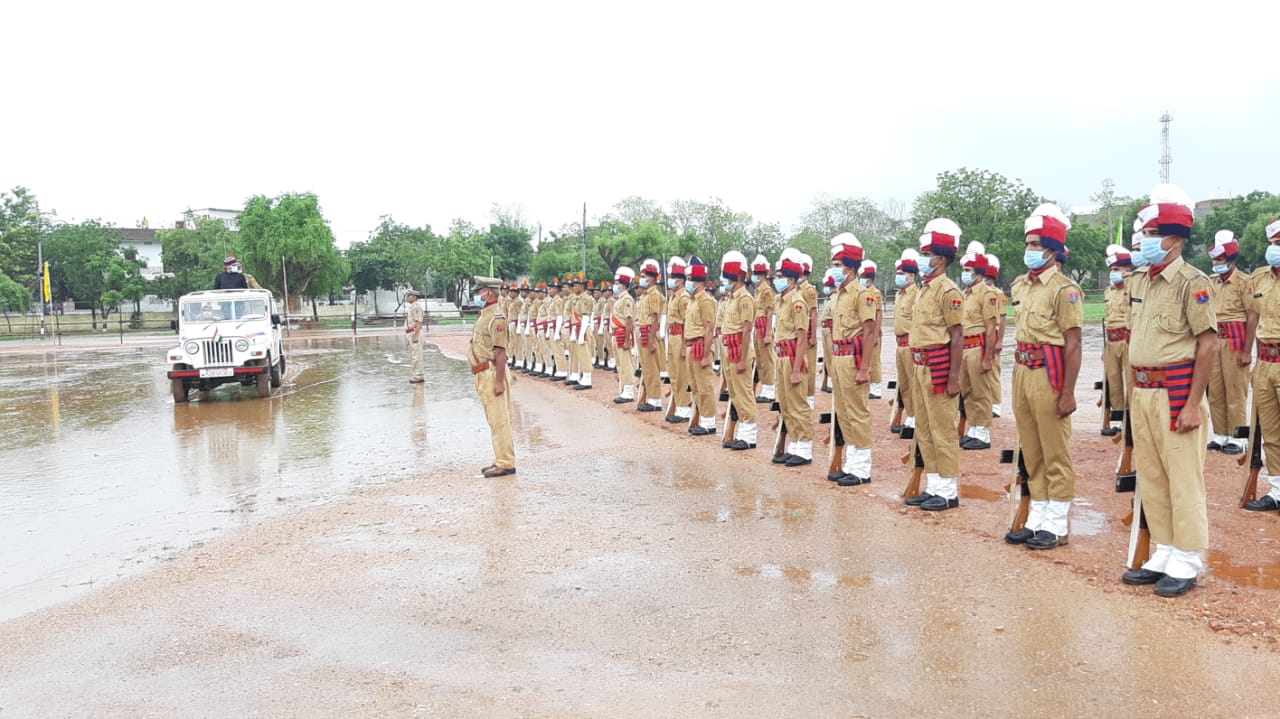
(631, 570)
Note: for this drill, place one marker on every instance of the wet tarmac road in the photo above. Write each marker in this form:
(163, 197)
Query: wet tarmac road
(101, 475)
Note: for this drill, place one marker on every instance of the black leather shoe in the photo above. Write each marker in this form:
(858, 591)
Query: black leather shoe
(1264, 504)
(1229, 448)
(762, 400)
(646, 407)
(796, 460)
(895, 428)
(1019, 537)
(739, 445)
(725, 444)
(918, 500)
(724, 396)
(781, 458)
(974, 443)
(1174, 587)
(1045, 539)
(499, 472)
(1139, 577)
(622, 400)
(676, 420)
(938, 504)
(701, 431)
(1214, 446)
(873, 396)
(834, 476)
(581, 386)
(827, 390)
(850, 480)
(1109, 431)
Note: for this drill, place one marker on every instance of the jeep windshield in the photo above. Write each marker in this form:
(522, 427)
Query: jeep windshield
(224, 311)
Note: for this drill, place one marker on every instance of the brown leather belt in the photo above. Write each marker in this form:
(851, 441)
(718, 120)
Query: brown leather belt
(1149, 376)
(1029, 357)
(478, 368)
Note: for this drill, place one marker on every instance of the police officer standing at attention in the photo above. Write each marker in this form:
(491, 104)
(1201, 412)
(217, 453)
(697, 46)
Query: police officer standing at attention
(766, 300)
(853, 343)
(1115, 325)
(1173, 344)
(488, 356)
(1048, 311)
(413, 317)
(622, 325)
(648, 312)
(791, 345)
(699, 324)
(1264, 315)
(1229, 383)
(906, 270)
(738, 365)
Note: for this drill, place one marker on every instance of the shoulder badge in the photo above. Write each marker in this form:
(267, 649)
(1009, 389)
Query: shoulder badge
(1202, 296)
(957, 304)
(1073, 296)
(871, 301)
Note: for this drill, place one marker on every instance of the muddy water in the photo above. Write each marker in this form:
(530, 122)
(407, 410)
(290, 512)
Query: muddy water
(101, 474)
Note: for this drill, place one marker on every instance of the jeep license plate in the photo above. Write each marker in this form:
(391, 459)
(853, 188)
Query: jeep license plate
(218, 372)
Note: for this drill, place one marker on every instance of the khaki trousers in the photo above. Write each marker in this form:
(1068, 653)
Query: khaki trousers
(1045, 439)
(936, 418)
(700, 379)
(1115, 363)
(1266, 397)
(1171, 471)
(1228, 391)
(906, 380)
(851, 402)
(650, 370)
(976, 388)
(679, 371)
(415, 358)
(741, 389)
(626, 366)
(497, 412)
(764, 360)
(793, 402)
(810, 373)
(877, 375)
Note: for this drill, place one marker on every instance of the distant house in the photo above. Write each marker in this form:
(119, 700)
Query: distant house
(230, 218)
(143, 240)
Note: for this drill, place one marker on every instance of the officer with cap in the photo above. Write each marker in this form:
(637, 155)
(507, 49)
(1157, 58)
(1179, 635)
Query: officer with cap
(996, 391)
(854, 342)
(981, 316)
(231, 277)
(766, 301)
(791, 345)
(906, 270)
(677, 360)
(622, 322)
(1264, 315)
(699, 328)
(1229, 383)
(1115, 327)
(649, 311)
(487, 353)
(738, 366)
(413, 317)
(867, 278)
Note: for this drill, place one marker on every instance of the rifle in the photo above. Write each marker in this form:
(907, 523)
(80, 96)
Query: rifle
(836, 439)
(1019, 494)
(644, 396)
(1250, 491)
(916, 470)
(730, 424)
(895, 424)
(1126, 476)
(961, 426)
(1127, 481)
(779, 443)
(893, 384)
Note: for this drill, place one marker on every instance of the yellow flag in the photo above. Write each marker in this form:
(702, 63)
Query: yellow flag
(48, 294)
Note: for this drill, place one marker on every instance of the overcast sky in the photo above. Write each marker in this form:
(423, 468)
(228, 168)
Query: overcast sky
(131, 109)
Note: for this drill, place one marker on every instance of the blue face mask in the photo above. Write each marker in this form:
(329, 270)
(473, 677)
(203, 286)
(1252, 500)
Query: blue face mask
(864, 281)
(644, 281)
(1034, 259)
(755, 279)
(1138, 259)
(478, 299)
(690, 287)
(1116, 277)
(1152, 251)
(826, 289)
(617, 290)
(780, 284)
(900, 281)
(724, 283)
(671, 283)
(1221, 269)
(839, 277)
(1273, 255)
(966, 278)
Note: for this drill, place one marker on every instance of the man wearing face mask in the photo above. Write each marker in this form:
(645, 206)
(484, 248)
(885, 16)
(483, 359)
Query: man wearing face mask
(790, 344)
(622, 324)
(699, 324)
(906, 269)
(677, 360)
(825, 309)
(1115, 325)
(487, 353)
(738, 365)
(1263, 308)
(649, 311)
(810, 293)
(230, 278)
(937, 344)
(1048, 311)
(854, 343)
(1172, 348)
(1229, 382)
(993, 377)
(981, 307)
(867, 278)
(766, 301)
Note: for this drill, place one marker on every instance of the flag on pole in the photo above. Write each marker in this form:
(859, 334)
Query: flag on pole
(1120, 232)
(48, 294)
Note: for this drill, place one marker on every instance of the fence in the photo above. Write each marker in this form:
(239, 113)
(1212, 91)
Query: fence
(58, 327)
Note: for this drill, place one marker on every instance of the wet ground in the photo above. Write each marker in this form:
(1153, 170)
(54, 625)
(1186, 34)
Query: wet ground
(627, 570)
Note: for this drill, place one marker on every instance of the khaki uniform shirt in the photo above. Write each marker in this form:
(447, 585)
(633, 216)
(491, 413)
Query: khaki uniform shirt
(624, 308)
(853, 305)
(1167, 313)
(583, 306)
(677, 307)
(542, 311)
(810, 297)
(980, 304)
(1263, 297)
(650, 306)
(876, 295)
(700, 316)
(793, 316)
(414, 316)
(739, 313)
(490, 332)
(766, 299)
(902, 309)
(1116, 300)
(939, 306)
(1229, 296)
(1046, 307)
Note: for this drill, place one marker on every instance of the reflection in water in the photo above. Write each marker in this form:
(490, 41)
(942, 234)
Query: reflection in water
(1223, 566)
(101, 473)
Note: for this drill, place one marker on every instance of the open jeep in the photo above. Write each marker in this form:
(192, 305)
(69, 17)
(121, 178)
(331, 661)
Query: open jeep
(226, 336)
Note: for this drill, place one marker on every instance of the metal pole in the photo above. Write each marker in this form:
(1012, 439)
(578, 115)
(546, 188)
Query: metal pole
(284, 285)
(584, 238)
(39, 268)
(353, 311)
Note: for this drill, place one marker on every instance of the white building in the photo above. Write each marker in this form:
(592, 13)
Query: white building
(230, 218)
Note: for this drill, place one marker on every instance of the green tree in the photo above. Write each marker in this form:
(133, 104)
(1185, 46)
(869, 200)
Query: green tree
(19, 232)
(14, 297)
(989, 208)
(86, 263)
(192, 255)
(285, 242)
(458, 257)
(1247, 217)
(510, 241)
(1087, 243)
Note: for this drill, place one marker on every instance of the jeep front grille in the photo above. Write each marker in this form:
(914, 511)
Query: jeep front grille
(217, 353)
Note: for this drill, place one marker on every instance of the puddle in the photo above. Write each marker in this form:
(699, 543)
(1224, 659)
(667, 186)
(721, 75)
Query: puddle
(1223, 566)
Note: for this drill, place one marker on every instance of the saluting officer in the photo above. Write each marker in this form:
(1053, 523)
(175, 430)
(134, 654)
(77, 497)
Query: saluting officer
(906, 270)
(936, 351)
(699, 326)
(739, 363)
(1173, 344)
(1115, 325)
(854, 342)
(766, 301)
(791, 345)
(1048, 311)
(1229, 383)
(1264, 315)
(488, 356)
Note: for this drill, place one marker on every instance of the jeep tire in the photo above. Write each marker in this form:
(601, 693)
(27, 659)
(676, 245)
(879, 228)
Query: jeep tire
(179, 388)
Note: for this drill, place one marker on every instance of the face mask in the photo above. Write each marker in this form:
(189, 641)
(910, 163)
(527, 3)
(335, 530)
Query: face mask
(644, 281)
(1273, 255)
(839, 277)
(1154, 254)
(724, 283)
(478, 299)
(1034, 259)
(966, 278)
(1116, 277)
(1138, 259)
(1221, 269)
(780, 284)
(900, 281)
(671, 283)
(755, 279)
(864, 281)
(617, 290)
(690, 287)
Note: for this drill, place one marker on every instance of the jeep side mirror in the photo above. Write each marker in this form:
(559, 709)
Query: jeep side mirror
(173, 325)
(275, 319)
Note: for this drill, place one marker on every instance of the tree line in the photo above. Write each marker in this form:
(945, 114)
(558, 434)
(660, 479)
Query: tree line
(285, 240)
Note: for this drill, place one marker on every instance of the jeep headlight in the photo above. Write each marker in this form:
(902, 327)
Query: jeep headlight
(242, 345)
(191, 348)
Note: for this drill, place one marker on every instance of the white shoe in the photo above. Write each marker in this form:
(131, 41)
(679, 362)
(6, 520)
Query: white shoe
(995, 410)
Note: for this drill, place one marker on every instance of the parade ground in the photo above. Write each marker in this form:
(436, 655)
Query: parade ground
(333, 551)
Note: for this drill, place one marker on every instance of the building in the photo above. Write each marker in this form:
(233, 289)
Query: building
(143, 241)
(230, 218)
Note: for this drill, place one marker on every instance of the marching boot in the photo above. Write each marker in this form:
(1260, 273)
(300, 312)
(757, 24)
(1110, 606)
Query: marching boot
(628, 394)
(1052, 531)
(584, 382)
(1035, 516)
(802, 455)
(706, 426)
(746, 437)
(857, 467)
(946, 496)
(931, 480)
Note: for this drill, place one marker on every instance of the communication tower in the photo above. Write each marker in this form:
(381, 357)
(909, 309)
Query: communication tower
(1166, 156)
